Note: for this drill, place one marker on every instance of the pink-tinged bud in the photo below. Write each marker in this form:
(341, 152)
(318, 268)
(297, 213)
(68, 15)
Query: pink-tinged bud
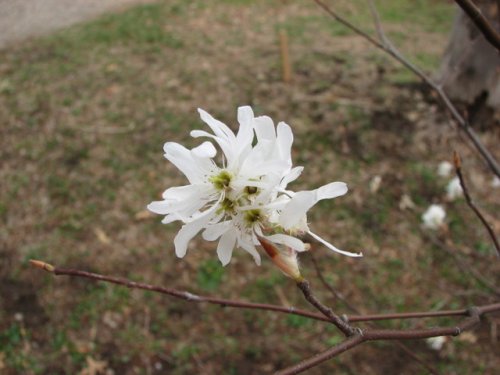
(285, 259)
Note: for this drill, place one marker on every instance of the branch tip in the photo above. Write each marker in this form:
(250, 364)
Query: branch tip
(43, 265)
(456, 160)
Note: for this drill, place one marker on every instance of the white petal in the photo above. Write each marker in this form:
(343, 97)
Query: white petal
(286, 240)
(191, 229)
(291, 176)
(250, 248)
(205, 150)
(225, 144)
(219, 128)
(332, 190)
(245, 118)
(214, 231)
(264, 128)
(226, 246)
(179, 193)
(159, 207)
(296, 209)
(170, 218)
(184, 200)
(183, 159)
(302, 201)
(331, 247)
(245, 134)
(284, 141)
(186, 233)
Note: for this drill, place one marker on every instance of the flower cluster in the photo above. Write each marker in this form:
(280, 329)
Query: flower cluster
(244, 202)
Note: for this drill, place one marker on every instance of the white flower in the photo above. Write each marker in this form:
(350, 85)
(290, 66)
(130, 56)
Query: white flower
(444, 169)
(245, 200)
(436, 343)
(433, 218)
(454, 189)
(495, 182)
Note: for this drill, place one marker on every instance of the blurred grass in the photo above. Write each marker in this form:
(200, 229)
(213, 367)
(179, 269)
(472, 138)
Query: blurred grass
(85, 113)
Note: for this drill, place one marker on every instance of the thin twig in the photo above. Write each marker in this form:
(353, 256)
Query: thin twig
(302, 366)
(190, 297)
(463, 265)
(472, 205)
(356, 335)
(473, 320)
(392, 51)
(341, 324)
(402, 346)
(187, 296)
(475, 14)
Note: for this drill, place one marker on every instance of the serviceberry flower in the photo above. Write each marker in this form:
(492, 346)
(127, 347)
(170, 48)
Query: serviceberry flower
(433, 217)
(244, 201)
(444, 169)
(454, 189)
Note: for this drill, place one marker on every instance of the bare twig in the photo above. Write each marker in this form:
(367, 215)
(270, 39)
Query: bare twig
(341, 324)
(190, 297)
(402, 346)
(473, 320)
(463, 265)
(356, 336)
(475, 14)
(388, 48)
(472, 205)
(187, 296)
(347, 344)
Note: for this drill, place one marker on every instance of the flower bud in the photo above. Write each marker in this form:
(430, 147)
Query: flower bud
(285, 259)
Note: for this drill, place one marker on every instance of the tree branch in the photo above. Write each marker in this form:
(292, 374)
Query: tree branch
(342, 325)
(472, 205)
(475, 314)
(355, 337)
(402, 346)
(190, 297)
(388, 48)
(475, 14)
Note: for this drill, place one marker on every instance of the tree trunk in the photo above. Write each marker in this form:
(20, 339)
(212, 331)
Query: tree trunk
(470, 68)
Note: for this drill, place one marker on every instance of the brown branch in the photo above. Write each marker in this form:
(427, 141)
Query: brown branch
(347, 344)
(187, 296)
(472, 205)
(388, 48)
(468, 323)
(463, 265)
(402, 346)
(341, 324)
(356, 336)
(190, 297)
(475, 14)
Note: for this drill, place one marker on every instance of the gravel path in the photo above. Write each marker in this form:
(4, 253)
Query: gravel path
(21, 19)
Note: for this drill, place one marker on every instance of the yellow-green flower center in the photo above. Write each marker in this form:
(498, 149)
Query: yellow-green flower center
(251, 190)
(253, 216)
(221, 181)
(227, 205)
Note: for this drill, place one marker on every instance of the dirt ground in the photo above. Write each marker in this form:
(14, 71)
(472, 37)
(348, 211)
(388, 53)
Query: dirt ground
(84, 114)
(29, 18)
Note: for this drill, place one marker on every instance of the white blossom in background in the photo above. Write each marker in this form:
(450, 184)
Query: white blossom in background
(436, 343)
(495, 182)
(454, 189)
(244, 200)
(444, 169)
(433, 218)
